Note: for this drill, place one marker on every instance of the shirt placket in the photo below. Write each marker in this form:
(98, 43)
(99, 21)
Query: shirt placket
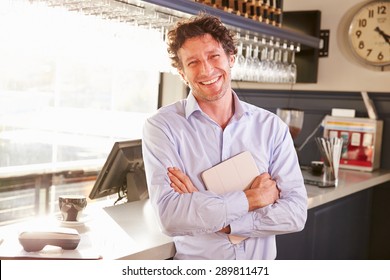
(226, 143)
(239, 251)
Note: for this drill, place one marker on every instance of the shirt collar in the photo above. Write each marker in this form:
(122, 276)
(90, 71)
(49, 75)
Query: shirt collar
(193, 106)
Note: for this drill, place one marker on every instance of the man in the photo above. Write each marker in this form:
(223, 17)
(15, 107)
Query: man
(183, 139)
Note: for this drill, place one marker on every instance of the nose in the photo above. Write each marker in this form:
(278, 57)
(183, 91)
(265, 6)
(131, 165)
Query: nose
(206, 67)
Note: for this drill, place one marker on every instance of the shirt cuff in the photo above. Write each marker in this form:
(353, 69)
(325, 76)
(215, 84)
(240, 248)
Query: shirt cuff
(247, 223)
(242, 226)
(236, 206)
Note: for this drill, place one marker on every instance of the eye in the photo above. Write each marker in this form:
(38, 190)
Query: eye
(215, 56)
(192, 63)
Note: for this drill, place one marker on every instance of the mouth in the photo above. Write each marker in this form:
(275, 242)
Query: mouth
(210, 82)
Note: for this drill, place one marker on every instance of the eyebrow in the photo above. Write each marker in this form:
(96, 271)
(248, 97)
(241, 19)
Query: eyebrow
(194, 57)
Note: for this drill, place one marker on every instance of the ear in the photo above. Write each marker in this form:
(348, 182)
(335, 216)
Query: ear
(183, 77)
(232, 59)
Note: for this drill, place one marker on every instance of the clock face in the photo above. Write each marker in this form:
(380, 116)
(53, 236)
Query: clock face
(369, 33)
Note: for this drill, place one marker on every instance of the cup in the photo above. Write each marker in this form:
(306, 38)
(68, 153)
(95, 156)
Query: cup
(72, 206)
(317, 167)
(329, 178)
(293, 118)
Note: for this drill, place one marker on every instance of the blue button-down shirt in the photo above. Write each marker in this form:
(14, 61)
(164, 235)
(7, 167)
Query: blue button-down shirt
(182, 135)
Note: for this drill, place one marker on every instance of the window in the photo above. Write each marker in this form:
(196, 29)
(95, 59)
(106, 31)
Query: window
(70, 85)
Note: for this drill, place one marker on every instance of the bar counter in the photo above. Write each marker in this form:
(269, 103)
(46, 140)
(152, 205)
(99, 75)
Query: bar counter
(349, 182)
(131, 230)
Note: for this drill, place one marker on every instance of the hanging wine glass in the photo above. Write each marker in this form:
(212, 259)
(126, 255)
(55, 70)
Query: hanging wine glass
(264, 65)
(256, 65)
(240, 61)
(285, 65)
(278, 67)
(271, 62)
(292, 67)
(247, 75)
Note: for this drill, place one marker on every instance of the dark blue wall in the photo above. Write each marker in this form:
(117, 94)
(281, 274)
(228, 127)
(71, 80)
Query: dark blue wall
(316, 105)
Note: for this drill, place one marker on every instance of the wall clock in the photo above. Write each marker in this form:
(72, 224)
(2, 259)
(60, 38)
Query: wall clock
(369, 33)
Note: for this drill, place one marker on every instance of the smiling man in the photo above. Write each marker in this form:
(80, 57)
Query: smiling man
(184, 139)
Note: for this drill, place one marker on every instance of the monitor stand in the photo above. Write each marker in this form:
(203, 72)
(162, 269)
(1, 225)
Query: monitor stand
(136, 186)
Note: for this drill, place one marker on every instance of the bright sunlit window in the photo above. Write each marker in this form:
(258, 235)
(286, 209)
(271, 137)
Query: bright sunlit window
(70, 85)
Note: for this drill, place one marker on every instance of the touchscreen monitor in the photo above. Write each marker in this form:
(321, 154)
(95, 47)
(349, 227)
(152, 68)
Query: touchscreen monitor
(123, 173)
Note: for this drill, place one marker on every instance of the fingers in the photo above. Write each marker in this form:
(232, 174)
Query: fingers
(180, 182)
(263, 192)
(226, 229)
(176, 184)
(263, 180)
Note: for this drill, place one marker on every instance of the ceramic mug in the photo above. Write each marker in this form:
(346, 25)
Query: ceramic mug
(71, 207)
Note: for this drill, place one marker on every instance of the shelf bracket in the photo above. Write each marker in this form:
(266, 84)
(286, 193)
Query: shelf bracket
(324, 43)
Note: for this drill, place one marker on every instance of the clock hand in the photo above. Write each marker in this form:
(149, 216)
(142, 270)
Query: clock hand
(384, 35)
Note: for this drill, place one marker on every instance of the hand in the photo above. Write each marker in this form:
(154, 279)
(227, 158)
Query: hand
(262, 192)
(383, 34)
(225, 230)
(180, 182)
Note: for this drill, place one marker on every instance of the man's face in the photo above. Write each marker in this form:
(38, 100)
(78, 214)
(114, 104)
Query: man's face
(206, 67)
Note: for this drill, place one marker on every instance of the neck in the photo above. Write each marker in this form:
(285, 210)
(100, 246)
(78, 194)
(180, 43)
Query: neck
(220, 111)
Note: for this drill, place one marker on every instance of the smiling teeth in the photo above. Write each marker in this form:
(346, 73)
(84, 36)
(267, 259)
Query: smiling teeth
(210, 82)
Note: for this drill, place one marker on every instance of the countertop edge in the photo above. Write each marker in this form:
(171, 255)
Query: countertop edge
(345, 188)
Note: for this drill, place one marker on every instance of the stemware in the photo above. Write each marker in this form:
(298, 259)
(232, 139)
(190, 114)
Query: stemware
(238, 69)
(255, 70)
(278, 67)
(247, 70)
(265, 60)
(285, 65)
(264, 63)
(292, 67)
(271, 76)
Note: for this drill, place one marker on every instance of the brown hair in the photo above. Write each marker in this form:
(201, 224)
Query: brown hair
(198, 26)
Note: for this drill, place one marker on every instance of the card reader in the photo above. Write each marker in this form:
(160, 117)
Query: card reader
(36, 240)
